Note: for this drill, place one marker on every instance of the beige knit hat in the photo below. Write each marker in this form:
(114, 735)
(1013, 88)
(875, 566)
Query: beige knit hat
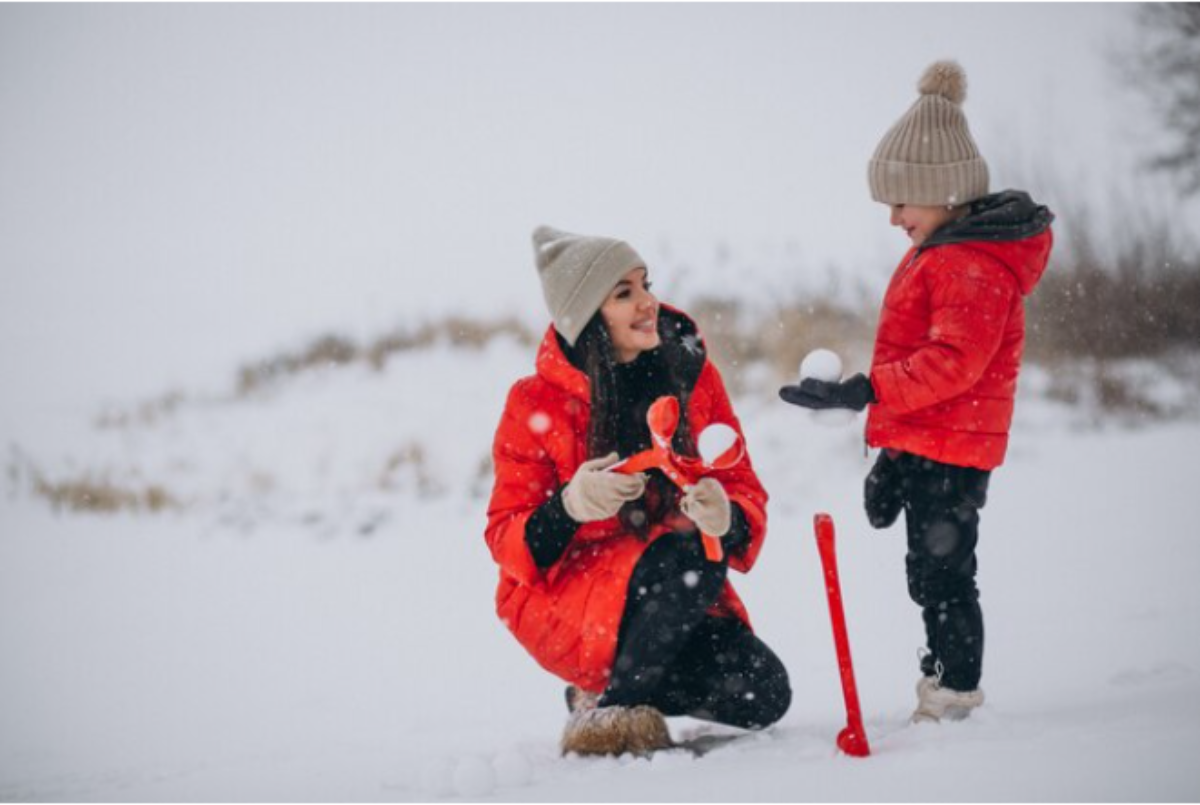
(929, 158)
(577, 274)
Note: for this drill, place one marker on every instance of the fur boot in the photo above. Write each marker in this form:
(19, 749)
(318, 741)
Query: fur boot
(615, 731)
(935, 702)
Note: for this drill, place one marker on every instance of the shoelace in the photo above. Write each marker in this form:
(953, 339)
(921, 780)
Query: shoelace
(938, 668)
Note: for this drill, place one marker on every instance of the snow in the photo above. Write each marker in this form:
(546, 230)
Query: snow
(825, 364)
(315, 621)
(262, 644)
(714, 441)
(821, 364)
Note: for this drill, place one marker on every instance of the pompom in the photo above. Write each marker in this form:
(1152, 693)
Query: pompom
(945, 78)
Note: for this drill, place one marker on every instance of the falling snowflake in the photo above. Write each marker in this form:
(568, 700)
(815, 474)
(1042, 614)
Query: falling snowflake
(539, 422)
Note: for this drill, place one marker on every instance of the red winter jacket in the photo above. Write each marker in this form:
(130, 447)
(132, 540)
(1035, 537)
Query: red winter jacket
(568, 616)
(949, 345)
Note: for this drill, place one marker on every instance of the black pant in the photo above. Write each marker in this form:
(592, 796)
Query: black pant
(941, 507)
(675, 657)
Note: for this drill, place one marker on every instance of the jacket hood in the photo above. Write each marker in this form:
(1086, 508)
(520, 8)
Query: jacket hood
(1008, 226)
(679, 335)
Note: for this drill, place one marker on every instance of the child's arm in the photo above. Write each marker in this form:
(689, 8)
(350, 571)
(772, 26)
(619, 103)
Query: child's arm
(971, 296)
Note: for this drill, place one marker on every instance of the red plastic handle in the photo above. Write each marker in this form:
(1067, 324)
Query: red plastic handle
(853, 739)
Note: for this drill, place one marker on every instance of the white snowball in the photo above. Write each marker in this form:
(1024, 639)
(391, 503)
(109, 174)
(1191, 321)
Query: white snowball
(474, 777)
(821, 364)
(437, 779)
(539, 422)
(715, 440)
(512, 769)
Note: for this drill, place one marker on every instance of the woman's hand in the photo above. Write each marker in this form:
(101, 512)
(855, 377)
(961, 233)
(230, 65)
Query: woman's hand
(708, 507)
(595, 494)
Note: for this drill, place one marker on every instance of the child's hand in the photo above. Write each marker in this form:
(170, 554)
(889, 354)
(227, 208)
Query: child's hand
(854, 393)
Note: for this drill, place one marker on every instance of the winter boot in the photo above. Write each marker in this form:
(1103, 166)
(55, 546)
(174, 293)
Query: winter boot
(646, 731)
(615, 731)
(935, 702)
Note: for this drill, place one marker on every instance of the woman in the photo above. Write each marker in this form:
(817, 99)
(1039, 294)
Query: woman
(603, 578)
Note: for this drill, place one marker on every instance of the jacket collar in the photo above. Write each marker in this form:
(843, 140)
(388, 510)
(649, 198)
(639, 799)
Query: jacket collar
(1001, 217)
(1009, 227)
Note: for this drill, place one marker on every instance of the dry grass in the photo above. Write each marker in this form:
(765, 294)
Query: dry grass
(781, 338)
(409, 462)
(88, 494)
(333, 350)
(146, 414)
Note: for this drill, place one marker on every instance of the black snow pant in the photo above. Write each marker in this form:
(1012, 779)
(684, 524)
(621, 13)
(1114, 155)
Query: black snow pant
(674, 656)
(941, 506)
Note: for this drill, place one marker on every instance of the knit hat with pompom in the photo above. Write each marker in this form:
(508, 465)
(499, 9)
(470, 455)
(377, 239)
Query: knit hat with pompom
(929, 157)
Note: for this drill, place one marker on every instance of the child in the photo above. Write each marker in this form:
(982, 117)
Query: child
(944, 373)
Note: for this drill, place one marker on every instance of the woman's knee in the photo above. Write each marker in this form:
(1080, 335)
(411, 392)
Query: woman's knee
(678, 560)
(772, 693)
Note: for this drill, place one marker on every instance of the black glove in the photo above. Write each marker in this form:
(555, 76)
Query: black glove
(853, 393)
(883, 492)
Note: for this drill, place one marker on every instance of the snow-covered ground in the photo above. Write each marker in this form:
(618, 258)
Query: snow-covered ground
(317, 624)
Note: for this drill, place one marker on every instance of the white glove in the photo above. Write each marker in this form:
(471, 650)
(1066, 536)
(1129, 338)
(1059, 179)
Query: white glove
(594, 494)
(708, 507)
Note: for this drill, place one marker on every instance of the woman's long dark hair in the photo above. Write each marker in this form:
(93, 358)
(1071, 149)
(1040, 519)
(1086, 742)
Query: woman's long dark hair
(613, 425)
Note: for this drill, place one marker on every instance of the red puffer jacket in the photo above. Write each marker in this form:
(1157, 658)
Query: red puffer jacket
(568, 616)
(949, 345)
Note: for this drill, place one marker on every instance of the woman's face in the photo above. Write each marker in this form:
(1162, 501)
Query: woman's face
(921, 222)
(631, 315)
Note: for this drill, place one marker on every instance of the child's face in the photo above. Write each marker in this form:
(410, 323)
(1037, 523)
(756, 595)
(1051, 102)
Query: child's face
(631, 314)
(921, 222)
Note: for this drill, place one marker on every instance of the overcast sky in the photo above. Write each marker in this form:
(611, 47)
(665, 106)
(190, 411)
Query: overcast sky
(182, 186)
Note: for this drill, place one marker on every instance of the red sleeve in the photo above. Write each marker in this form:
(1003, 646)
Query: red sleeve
(741, 482)
(970, 297)
(525, 478)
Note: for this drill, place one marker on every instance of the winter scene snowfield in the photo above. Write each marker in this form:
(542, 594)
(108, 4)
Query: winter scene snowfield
(227, 576)
(318, 623)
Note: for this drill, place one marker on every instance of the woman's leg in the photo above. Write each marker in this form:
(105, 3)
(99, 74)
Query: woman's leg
(672, 656)
(671, 587)
(728, 675)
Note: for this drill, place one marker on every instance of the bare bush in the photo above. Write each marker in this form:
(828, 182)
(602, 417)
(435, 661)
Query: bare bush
(1168, 71)
(1137, 297)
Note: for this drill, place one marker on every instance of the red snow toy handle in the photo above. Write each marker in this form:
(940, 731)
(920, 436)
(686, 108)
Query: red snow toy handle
(853, 739)
(683, 471)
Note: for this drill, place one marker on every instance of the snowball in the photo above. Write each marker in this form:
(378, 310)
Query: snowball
(821, 364)
(474, 777)
(539, 422)
(512, 769)
(715, 440)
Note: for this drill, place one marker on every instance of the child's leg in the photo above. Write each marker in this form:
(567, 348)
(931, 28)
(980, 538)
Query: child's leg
(942, 516)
